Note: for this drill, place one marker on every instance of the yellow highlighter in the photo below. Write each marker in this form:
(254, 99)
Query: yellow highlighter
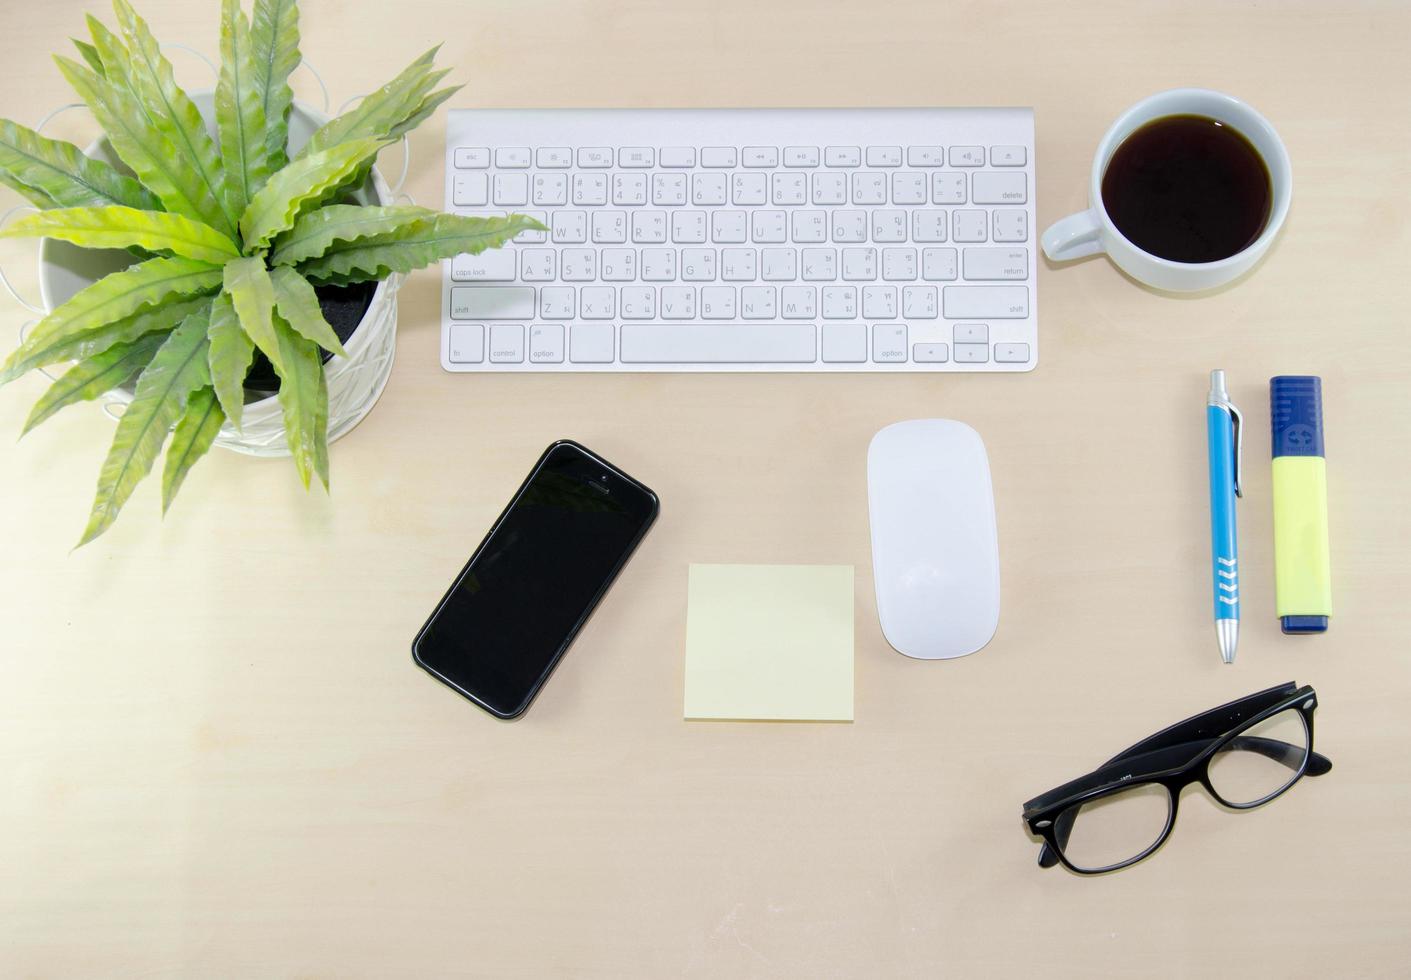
(1302, 571)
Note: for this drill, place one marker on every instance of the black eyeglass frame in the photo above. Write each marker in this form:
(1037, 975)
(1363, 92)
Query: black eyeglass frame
(1174, 758)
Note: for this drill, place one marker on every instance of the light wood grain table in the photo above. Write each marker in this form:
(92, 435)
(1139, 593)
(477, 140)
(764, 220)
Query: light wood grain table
(217, 759)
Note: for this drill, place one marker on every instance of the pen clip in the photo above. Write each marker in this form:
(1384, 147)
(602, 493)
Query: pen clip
(1237, 425)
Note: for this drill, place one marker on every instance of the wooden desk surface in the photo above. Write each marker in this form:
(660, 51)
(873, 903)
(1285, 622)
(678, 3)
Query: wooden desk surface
(218, 759)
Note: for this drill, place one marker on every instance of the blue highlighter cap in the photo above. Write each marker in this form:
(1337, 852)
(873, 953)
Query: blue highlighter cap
(1296, 414)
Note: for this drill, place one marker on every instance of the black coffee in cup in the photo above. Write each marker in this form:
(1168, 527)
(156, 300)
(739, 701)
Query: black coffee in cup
(1188, 189)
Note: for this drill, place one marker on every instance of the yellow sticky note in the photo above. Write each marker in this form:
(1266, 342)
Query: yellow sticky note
(770, 642)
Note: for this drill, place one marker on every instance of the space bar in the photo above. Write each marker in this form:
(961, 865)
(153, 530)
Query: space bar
(719, 343)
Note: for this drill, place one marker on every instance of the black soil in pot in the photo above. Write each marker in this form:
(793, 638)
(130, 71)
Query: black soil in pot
(343, 307)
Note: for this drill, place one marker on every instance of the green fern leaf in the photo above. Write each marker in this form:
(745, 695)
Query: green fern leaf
(278, 203)
(248, 285)
(232, 350)
(89, 54)
(90, 343)
(199, 425)
(112, 298)
(297, 304)
(177, 369)
(423, 111)
(240, 111)
(375, 115)
(176, 117)
(274, 46)
(122, 227)
(52, 173)
(96, 376)
(314, 232)
(303, 395)
(414, 246)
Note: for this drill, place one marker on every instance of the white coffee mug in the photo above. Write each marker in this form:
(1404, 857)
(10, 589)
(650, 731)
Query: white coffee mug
(1092, 231)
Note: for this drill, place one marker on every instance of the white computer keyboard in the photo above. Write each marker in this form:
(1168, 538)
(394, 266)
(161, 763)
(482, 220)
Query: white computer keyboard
(745, 240)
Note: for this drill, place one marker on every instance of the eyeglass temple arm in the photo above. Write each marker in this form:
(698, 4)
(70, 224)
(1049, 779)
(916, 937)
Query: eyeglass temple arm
(1284, 753)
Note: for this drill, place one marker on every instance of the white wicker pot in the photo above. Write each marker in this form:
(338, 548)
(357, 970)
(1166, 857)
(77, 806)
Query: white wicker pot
(355, 382)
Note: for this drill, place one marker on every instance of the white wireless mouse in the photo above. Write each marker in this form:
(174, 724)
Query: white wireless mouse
(935, 553)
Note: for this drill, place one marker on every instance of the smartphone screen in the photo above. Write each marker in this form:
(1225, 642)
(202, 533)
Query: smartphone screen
(530, 586)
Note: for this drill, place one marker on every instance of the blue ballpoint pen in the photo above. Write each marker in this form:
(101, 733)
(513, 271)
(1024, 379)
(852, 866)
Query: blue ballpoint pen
(1224, 428)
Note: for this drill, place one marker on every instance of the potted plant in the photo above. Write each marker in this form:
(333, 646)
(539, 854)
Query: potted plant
(255, 244)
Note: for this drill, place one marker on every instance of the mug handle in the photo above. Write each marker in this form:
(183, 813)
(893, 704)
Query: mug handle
(1073, 237)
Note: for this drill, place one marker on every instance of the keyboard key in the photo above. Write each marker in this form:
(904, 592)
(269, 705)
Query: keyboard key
(538, 264)
(512, 157)
(1006, 187)
(467, 342)
(972, 333)
(884, 156)
(495, 265)
(788, 188)
(947, 187)
(472, 158)
(717, 302)
(595, 157)
(842, 156)
(930, 353)
(996, 263)
(929, 225)
(618, 264)
(678, 156)
(925, 156)
(727, 227)
(590, 189)
(698, 264)
(507, 343)
(511, 189)
(629, 189)
(919, 303)
(820, 264)
(550, 189)
(830, 188)
(898, 264)
(839, 302)
(749, 189)
(849, 226)
(859, 264)
(658, 264)
(810, 226)
(546, 343)
(597, 302)
(972, 353)
(738, 264)
(888, 225)
(1011, 225)
(718, 156)
(590, 343)
(635, 157)
(757, 303)
(908, 187)
(578, 265)
(719, 343)
(688, 227)
(470, 190)
(986, 302)
(708, 190)
(800, 156)
(938, 264)
(1008, 156)
(800, 302)
(1011, 353)
(889, 343)
(639, 303)
(969, 226)
(609, 227)
(678, 302)
(768, 227)
(492, 302)
(869, 187)
(761, 156)
(844, 343)
(668, 189)
(649, 227)
(554, 157)
(779, 264)
(879, 303)
(558, 302)
(967, 156)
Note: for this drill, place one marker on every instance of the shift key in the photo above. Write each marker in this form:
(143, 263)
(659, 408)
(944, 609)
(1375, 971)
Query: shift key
(986, 302)
(492, 303)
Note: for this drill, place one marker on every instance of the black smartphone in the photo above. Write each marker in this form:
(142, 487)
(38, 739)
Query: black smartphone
(533, 582)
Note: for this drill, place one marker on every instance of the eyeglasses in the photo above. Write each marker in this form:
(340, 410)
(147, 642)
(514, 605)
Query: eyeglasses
(1244, 753)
